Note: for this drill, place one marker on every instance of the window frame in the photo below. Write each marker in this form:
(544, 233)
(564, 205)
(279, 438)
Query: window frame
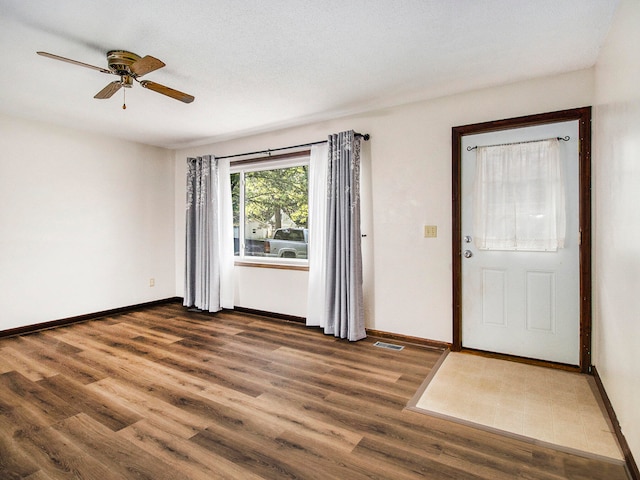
(273, 162)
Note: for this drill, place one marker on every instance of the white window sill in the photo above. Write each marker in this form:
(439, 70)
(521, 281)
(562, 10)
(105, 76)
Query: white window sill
(279, 263)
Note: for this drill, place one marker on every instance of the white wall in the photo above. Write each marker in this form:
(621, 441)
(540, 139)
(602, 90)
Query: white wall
(617, 219)
(408, 182)
(86, 221)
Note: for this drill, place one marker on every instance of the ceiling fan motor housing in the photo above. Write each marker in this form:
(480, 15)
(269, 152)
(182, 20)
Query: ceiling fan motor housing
(120, 61)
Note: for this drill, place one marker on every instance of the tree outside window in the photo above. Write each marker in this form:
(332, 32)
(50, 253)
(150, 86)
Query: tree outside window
(271, 210)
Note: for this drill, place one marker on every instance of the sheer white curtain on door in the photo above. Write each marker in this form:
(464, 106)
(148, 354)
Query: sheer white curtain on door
(519, 197)
(209, 236)
(335, 298)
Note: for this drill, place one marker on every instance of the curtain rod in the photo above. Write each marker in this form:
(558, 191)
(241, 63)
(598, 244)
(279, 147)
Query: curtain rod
(268, 151)
(564, 139)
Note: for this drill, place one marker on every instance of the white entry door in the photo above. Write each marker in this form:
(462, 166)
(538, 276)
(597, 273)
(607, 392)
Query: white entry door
(523, 303)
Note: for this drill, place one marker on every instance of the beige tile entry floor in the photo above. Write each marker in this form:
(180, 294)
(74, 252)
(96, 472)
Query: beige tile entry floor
(541, 404)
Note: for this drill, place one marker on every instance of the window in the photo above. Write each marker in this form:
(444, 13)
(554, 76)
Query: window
(520, 197)
(271, 209)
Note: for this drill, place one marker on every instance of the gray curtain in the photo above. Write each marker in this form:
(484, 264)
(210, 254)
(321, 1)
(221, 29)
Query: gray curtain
(344, 295)
(202, 272)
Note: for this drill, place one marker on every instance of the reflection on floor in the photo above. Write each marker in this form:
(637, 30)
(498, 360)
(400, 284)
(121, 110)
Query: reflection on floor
(547, 405)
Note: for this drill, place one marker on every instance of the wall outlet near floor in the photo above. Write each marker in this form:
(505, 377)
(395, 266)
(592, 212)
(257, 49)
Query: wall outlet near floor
(430, 231)
(152, 282)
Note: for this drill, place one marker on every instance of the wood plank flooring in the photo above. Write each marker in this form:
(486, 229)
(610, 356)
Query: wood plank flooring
(163, 393)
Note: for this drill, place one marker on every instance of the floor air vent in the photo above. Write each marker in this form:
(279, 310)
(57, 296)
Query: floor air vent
(389, 346)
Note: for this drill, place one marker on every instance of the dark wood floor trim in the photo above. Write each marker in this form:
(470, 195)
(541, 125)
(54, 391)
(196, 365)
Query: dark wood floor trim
(423, 342)
(82, 318)
(263, 314)
(278, 316)
(632, 466)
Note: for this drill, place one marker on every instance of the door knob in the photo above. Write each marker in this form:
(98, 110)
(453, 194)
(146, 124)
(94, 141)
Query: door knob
(468, 254)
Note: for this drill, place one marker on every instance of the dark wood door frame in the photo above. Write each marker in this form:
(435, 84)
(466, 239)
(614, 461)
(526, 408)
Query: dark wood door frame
(583, 116)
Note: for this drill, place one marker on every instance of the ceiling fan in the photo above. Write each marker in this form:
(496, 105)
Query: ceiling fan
(129, 67)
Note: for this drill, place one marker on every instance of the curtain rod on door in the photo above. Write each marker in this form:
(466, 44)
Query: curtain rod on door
(268, 151)
(564, 139)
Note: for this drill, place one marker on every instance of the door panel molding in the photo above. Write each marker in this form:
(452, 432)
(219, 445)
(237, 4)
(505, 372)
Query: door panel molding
(583, 116)
(494, 297)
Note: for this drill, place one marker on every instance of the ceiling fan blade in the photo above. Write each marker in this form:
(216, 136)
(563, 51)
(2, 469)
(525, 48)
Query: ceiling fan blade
(75, 62)
(145, 65)
(109, 90)
(169, 92)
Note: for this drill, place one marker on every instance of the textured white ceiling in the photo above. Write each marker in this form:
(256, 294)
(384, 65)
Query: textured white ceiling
(257, 65)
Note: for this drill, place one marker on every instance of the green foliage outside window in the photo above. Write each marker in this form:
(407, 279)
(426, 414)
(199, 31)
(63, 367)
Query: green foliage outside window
(273, 199)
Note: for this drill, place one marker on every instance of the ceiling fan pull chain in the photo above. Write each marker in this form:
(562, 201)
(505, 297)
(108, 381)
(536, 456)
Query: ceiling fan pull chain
(124, 98)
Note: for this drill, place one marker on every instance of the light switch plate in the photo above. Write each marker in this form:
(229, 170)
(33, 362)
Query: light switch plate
(430, 231)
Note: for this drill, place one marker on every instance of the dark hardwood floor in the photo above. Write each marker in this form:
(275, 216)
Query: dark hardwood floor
(163, 393)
